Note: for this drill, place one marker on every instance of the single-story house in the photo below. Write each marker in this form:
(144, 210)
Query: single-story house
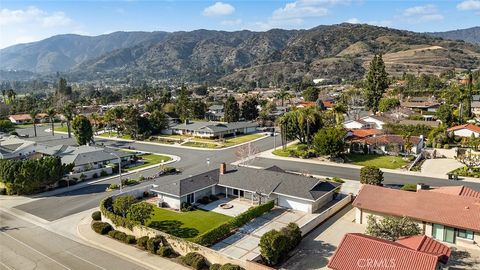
(289, 190)
(448, 214)
(87, 160)
(359, 251)
(215, 112)
(213, 129)
(425, 106)
(356, 134)
(370, 121)
(387, 144)
(465, 130)
(12, 147)
(20, 118)
(357, 124)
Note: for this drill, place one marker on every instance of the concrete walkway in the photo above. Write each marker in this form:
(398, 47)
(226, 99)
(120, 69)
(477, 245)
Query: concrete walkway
(142, 257)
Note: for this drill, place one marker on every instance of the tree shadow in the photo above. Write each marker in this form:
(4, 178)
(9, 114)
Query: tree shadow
(173, 227)
(8, 228)
(462, 259)
(309, 258)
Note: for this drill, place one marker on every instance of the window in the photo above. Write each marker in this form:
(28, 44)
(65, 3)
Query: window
(443, 233)
(190, 198)
(465, 234)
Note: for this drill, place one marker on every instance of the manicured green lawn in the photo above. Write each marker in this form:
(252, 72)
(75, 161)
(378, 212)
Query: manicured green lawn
(23, 125)
(114, 135)
(201, 144)
(185, 224)
(387, 162)
(150, 159)
(242, 139)
(284, 153)
(61, 129)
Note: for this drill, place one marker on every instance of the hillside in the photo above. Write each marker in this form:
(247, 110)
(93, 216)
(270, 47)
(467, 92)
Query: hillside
(471, 35)
(335, 52)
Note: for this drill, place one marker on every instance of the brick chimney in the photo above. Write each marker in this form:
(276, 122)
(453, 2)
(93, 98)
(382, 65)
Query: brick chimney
(223, 168)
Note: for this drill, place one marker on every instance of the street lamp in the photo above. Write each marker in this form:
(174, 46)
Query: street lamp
(119, 168)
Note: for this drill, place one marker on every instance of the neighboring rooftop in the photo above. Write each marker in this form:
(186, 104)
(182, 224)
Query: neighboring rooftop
(214, 126)
(82, 155)
(457, 211)
(470, 127)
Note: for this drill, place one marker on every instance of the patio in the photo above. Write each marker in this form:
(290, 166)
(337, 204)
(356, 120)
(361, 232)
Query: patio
(239, 206)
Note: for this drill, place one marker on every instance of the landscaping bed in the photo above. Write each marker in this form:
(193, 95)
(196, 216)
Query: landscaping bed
(201, 145)
(466, 172)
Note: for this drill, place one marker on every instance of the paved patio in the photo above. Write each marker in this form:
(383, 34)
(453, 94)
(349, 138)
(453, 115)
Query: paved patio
(239, 206)
(244, 243)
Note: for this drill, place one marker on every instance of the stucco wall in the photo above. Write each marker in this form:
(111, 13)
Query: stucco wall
(322, 201)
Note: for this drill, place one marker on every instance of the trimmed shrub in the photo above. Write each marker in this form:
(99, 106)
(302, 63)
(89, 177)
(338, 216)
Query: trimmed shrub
(215, 266)
(294, 235)
(154, 243)
(130, 239)
(142, 242)
(112, 233)
(409, 187)
(97, 216)
(95, 175)
(446, 146)
(121, 236)
(164, 251)
(194, 260)
(230, 266)
(103, 173)
(101, 227)
(275, 245)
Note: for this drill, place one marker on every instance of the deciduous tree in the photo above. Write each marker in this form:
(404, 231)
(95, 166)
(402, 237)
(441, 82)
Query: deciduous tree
(392, 228)
(371, 175)
(82, 129)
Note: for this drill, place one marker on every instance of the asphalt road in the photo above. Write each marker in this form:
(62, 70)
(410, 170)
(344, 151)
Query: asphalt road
(192, 162)
(24, 246)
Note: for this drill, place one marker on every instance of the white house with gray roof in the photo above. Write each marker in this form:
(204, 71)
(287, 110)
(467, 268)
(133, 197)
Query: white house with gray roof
(289, 190)
(214, 129)
(12, 147)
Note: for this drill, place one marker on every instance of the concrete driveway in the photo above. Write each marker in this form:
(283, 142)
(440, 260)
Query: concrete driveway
(319, 245)
(244, 243)
(440, 166)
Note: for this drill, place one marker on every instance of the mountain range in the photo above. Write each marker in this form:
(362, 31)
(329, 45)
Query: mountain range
(336, 51)
(471, 35)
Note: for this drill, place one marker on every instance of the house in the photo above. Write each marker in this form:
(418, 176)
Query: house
(215, 112)
(387, 144)
(20, 118)
(358, 251)
(356, 134)
(213, 129)
(448, 214)
(370, 121)
(12, 147)
(291, 191)
(465, 130)
(88, 160)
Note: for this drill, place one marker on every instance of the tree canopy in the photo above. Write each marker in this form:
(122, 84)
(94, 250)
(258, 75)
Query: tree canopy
(82, 130)
(375, 83)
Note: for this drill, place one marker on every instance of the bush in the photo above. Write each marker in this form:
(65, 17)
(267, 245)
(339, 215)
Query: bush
(97, 216)
(294, 235)
(186, 207)
(409, 187)
(113, 186)
(194, 260)
(142, 242)
(95, 175)
(446, 146)
(275, 245)
(101, 227)
(121, 236)
(154, 243)
(164, 251)
(215, 266)
(230, 266)
(439, 145)
(337, 180)
(371, 175)
(3, 191)
(103, 173)
(130, 239)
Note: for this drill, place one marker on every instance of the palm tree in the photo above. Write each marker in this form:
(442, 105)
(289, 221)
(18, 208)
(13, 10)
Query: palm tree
(33, 115)
(339, 110)
(68, 113)
(95, 119)
(283, 95)
(51, 114)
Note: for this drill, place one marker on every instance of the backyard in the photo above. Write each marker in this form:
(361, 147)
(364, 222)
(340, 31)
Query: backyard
(380, 161)
(185, 224)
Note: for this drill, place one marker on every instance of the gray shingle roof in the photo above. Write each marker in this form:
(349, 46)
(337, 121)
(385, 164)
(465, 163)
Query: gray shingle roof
(214, 126)
(188, 185)
(82, 155)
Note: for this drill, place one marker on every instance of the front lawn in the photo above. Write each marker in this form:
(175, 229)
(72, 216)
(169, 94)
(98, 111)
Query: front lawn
(288, 151)
(380, 161)
(61, 129)
(200, 144)
(114, 135)
(150, 159)
(241, 139)
(185, 224)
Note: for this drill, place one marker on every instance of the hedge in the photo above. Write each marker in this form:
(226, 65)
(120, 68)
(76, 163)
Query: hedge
(164, 251)
(154, 243)
(142, 242)
(215, 266)
(215, 234)
(101, 227)
(230, 266)
(106, 209)
(194, 260)
(97, 216)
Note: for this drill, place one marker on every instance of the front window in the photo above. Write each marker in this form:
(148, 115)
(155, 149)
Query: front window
(443, 233)
(465, 234)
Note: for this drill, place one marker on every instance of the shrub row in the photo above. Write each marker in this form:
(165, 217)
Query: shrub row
(106, 209)
(275, 245)
(194, 260)
(121, 236)
(221, 231)
(101, 227)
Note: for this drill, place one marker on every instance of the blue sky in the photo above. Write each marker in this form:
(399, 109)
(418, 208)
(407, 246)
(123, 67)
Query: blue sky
(26, 21)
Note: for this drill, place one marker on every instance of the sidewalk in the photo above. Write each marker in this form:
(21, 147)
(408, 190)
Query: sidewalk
(134, 254)
(268, 154)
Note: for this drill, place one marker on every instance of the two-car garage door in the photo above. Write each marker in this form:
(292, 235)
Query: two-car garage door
(295, 204)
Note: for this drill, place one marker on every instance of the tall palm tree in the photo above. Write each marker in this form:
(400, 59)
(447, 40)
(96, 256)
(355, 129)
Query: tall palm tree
(339, 110)
(68, 113)
(283, 95)
(51, 115)
(33, 115)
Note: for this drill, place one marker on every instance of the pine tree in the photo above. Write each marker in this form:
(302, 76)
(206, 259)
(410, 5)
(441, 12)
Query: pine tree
(376, 83)
(232, 110)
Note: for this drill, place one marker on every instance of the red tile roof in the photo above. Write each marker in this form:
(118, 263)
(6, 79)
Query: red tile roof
(366, 132)
(426, 244)
(470, 127)
(361, 252)
(457, 190)
(389, 139)
(452, 210)
(21, 117)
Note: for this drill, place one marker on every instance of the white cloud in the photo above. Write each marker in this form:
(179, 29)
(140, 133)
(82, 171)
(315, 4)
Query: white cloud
(354, 21)
(469, 5)
(299, 9)
(426, 9)
(31, 24)
(421, 14)
(219, 9)
(231, 22)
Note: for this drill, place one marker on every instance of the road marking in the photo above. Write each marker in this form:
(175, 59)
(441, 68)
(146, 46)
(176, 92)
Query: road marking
(6, 266)
(36, 251)
(85, 260)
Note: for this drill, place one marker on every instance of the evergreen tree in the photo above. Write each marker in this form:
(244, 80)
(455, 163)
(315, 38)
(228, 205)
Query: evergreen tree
(249, 108)
(82, 129)
(376, 83)
(232, 110)
(182, 104)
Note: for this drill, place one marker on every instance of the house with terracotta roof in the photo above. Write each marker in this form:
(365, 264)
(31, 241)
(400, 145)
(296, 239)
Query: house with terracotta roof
(448, 214)
(387, 144)
(358, 251)
(20, 118)
(465, 130)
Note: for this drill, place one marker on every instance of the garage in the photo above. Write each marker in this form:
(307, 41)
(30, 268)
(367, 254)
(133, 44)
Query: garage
(293, 203)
